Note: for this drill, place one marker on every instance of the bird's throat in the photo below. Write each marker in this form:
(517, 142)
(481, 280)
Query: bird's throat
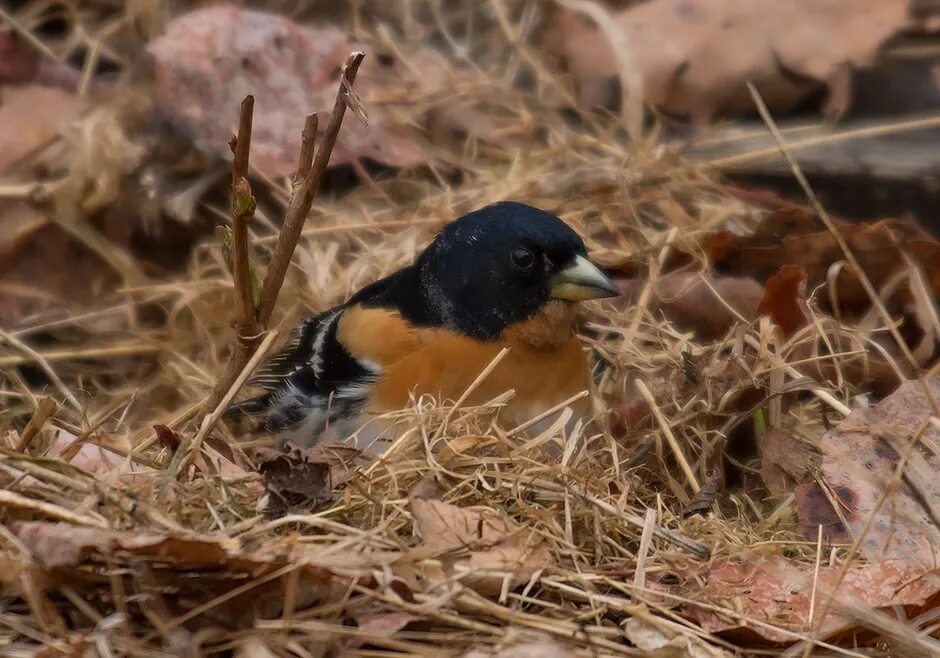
(551, 326)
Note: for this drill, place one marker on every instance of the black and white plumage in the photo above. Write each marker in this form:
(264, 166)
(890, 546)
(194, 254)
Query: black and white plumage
(312, 383)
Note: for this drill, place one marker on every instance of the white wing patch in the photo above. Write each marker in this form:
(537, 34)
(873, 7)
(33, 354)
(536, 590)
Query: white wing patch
(316, 350)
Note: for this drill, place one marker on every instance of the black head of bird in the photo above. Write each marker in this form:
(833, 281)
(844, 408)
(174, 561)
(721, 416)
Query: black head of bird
(498, 266)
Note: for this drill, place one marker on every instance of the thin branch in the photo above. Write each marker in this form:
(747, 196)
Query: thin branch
(243, 210)
(305, 190)
(308, 145)
(303, 196)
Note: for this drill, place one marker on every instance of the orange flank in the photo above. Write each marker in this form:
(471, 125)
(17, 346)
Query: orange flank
(545, 364)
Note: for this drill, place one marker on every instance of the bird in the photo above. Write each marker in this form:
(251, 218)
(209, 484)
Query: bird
(505, 275)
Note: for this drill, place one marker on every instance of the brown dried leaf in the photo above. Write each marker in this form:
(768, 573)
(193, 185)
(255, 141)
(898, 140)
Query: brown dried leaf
(697, 302)
(781, 591)
(787, 461)
(293, 481)
(859, 460)
(254, 647)
(30, 282)
(379, 624)
(704, 498)
(202, 75)
(784, 299)
(630, 416)
(64, 545)
(657, 642)
(478, 545)
(201, 568)
(19, 62)
(694, 58)
(544, 647)
(31, 116)
(171, 439)
(96, 458)
(18, 221)
(794, 237)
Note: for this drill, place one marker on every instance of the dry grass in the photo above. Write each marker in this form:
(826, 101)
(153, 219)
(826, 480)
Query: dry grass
(605, 501)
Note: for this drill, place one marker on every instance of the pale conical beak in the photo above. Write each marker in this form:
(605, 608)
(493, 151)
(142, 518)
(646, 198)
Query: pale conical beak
(580, 281)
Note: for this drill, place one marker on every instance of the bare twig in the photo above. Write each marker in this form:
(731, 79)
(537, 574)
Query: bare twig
(303, 196)
(308, 145)
(297, 210)
(243, 210)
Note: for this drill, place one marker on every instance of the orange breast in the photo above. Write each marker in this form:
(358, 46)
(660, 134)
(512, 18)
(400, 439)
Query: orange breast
(543, 369)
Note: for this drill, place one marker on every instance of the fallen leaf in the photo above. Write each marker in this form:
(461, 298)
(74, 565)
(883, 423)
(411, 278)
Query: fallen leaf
(695, 57)
(794, 237)
(481, 547)
(31, 117)
(784, 299)
(777, 594)
(860, 458)
(292, 481)
(787, 461)
(172, 439)
(657, 642)
(704, 498)
(426, 488)
(792, 243)
(96, 458)
(18, 221)
(532, 648)
(19, 62)
(202, 75)
(630, 416)
(200, 568)
(815, 510)
(707, 305)
(254, 647)
(60, 544)
(379, 624)
(31, 284)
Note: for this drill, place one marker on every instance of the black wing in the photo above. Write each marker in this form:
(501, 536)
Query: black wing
(309, 382)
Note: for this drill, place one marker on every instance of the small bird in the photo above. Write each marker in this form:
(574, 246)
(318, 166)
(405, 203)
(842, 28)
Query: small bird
(506, 275)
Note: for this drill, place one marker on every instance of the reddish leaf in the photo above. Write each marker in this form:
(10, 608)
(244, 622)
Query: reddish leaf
(784, 299)
(202, 75)
(709, 306)
(778, 592)
(859, 461)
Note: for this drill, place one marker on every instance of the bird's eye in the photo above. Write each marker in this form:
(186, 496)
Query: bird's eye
(522, 259)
